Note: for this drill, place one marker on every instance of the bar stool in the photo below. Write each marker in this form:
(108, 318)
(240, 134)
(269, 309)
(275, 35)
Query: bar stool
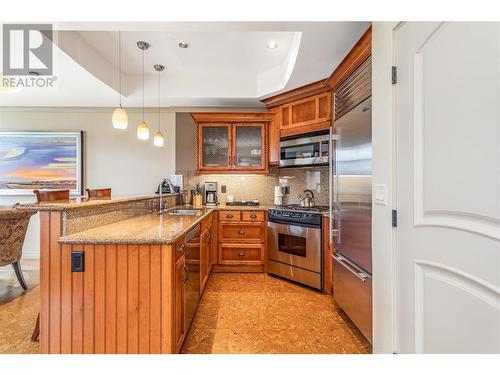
(99, 193)
(13, 228)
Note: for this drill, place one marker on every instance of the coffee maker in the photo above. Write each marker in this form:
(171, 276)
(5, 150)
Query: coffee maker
(210, 193)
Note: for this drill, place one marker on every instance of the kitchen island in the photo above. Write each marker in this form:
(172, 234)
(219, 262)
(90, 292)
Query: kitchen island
(116, 275)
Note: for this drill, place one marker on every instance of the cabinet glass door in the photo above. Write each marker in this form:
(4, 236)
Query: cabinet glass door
(215, 146)
(249, 146)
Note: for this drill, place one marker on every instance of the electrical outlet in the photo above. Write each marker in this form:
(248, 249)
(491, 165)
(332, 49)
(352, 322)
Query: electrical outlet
(223, 188)
(287, 189)
(77, 261)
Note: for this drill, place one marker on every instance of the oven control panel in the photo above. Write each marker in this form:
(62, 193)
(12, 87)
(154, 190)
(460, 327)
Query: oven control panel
(295, 217)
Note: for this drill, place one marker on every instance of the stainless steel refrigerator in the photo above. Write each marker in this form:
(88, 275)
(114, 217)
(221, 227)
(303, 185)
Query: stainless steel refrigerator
(351, 208)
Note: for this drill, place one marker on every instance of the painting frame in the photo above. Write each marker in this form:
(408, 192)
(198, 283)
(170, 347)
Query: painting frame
(78, 137)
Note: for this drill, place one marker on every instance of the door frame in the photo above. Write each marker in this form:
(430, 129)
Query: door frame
(384, 236)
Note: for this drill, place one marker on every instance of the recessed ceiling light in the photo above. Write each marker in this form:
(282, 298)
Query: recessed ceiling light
(184, 44)
(272, 44)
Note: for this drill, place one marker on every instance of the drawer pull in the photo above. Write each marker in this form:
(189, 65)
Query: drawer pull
(229, 216)
(241, 232)
(240, 254)
(181, 248)
(253, 216)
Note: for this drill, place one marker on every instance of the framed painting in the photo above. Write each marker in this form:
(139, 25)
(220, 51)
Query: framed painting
(40, 160)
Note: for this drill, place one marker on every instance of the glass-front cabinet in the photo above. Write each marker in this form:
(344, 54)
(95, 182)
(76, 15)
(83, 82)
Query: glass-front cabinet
(215, 146)
(249, 146)
(232, 147)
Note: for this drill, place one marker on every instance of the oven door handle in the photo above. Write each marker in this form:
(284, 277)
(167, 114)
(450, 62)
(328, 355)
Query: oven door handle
(346, 264)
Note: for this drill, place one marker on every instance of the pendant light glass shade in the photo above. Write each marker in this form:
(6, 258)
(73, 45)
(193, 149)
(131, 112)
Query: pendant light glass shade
(158, 139)
(120, 118)
(143, 131)
(143, 127)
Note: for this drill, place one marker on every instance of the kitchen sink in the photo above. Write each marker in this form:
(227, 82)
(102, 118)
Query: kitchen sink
(185, 212)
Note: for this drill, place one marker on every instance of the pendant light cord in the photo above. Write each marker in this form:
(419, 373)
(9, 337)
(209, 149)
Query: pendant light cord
(159, 100)
(142, 85)
(120, 65)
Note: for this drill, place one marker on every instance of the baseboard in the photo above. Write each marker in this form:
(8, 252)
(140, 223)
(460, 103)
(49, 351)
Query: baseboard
(31, 256)
(225, 268)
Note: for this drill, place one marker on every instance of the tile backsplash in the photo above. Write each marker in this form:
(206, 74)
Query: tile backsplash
(315, 179)
(262, 187)
(242, 187)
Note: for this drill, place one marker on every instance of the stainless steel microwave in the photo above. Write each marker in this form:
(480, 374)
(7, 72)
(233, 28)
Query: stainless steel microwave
(304, 150)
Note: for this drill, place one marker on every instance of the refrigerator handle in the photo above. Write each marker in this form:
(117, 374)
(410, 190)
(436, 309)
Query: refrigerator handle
(332, 232)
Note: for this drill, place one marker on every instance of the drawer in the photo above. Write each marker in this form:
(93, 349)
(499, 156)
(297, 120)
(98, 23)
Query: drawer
(230, 215)
(240, 254)
(253, 216)
(241, 232)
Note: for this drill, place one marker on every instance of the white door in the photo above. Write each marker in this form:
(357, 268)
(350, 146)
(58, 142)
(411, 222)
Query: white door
(448, 187)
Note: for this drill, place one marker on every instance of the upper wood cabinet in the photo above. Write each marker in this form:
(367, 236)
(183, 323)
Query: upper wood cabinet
(307, 115)
(303, 110)
(232, 142)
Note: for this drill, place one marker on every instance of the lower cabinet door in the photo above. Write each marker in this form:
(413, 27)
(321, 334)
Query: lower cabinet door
(241, 254)
(204, 258)
(180, 279)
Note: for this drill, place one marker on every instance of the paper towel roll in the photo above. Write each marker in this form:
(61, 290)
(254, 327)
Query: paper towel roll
(277, 191)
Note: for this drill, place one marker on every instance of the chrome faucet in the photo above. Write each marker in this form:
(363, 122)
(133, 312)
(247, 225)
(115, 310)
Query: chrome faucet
(160, 192)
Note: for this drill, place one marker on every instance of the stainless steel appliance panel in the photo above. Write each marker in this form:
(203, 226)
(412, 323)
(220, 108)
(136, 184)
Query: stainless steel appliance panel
(353, 293)
(304, 150)
(192, 268)
(297, 274)
(295, 245)
(353, 183)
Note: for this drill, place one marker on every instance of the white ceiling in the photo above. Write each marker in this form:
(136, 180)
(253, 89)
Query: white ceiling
(227, 64)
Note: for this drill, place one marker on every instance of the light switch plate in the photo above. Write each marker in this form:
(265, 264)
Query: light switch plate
(380, 194)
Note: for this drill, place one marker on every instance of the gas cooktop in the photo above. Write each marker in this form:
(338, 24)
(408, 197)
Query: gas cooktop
(298, 207)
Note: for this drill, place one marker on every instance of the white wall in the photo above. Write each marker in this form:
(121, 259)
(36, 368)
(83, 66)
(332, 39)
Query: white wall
(383, 167)
(112, 158)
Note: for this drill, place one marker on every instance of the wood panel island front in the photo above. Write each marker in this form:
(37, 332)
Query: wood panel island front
(128, 294)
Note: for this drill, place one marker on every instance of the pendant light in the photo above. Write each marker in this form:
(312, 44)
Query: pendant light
(143, 127)
(158, 139)
(120, 118)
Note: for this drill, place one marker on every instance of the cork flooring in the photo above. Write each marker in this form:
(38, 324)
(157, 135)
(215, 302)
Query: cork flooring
(257, 313)
(18, 309)
(239, 313)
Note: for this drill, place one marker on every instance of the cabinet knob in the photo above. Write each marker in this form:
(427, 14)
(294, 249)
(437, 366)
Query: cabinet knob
(253, 216)
(181, 248)
(241, 254)
(241, 232)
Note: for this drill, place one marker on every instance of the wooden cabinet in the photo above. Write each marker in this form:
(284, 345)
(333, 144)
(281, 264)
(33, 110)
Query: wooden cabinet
(232, 142)
(179, 296)
(204, 257)
(307, 115)
(241, 232)
(327, 257)
(205, 251)
(242, 238)
(241, 253)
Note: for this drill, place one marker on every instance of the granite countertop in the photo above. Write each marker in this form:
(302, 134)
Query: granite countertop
(83, 202)
(150, 228)
(144, 229)
(224, 207)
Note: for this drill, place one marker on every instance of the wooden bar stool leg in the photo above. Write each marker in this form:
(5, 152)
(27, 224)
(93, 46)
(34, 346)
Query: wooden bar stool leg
(36, 331)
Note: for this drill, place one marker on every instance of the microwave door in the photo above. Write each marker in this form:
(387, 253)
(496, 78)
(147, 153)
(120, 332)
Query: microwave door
(353, 183)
